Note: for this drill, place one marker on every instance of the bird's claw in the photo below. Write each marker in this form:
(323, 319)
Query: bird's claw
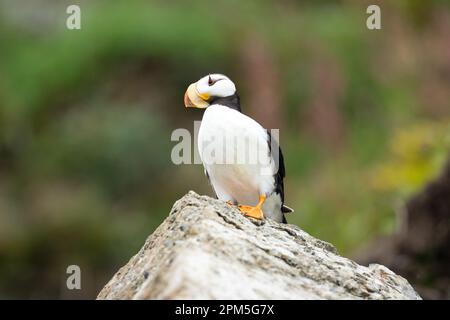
(253, 212)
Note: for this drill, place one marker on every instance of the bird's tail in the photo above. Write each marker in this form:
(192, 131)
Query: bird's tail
(286, 209)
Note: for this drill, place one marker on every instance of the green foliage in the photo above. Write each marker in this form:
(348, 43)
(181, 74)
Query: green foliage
(417, 153)
(86, 117)
(107, 145)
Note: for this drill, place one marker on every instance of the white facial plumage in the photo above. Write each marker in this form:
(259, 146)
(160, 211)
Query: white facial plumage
(216, 85)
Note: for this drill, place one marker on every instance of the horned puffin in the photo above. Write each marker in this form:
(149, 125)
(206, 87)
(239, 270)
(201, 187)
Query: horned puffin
(224, 137)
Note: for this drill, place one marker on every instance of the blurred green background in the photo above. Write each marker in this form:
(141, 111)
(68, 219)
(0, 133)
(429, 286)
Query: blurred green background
(86, 117)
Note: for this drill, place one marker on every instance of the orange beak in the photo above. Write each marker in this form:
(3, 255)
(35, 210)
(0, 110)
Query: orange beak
(192, 99)
(187, 102)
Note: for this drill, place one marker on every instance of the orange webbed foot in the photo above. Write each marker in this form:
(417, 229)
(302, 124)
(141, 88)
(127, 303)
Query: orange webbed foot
(254, 212)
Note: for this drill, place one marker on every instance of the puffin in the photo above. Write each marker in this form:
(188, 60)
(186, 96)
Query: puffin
(237, 153)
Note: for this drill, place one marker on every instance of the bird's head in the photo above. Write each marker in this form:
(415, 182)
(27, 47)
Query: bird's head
(205, 91)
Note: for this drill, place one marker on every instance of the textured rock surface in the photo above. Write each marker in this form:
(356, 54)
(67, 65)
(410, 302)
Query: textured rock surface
(207, 250)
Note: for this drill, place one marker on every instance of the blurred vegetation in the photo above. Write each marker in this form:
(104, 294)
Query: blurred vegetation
(86, 118)
(416, 153)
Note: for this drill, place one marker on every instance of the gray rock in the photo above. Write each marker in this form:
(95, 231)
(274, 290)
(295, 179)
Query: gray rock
(208, 250)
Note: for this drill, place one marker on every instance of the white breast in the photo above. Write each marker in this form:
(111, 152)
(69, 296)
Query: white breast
(239, 170)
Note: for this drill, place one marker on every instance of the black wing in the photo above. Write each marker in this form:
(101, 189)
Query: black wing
(281, 173)
(209, 180)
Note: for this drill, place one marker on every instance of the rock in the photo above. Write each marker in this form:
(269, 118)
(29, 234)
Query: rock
(208, 250)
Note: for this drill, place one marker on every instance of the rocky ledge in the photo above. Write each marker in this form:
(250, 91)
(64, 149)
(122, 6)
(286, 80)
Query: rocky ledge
(206, 249)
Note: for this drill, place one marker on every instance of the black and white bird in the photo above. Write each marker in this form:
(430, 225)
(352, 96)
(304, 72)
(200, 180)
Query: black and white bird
(237, 152)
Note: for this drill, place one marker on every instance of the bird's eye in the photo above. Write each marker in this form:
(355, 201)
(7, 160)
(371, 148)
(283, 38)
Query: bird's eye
(210, 81)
